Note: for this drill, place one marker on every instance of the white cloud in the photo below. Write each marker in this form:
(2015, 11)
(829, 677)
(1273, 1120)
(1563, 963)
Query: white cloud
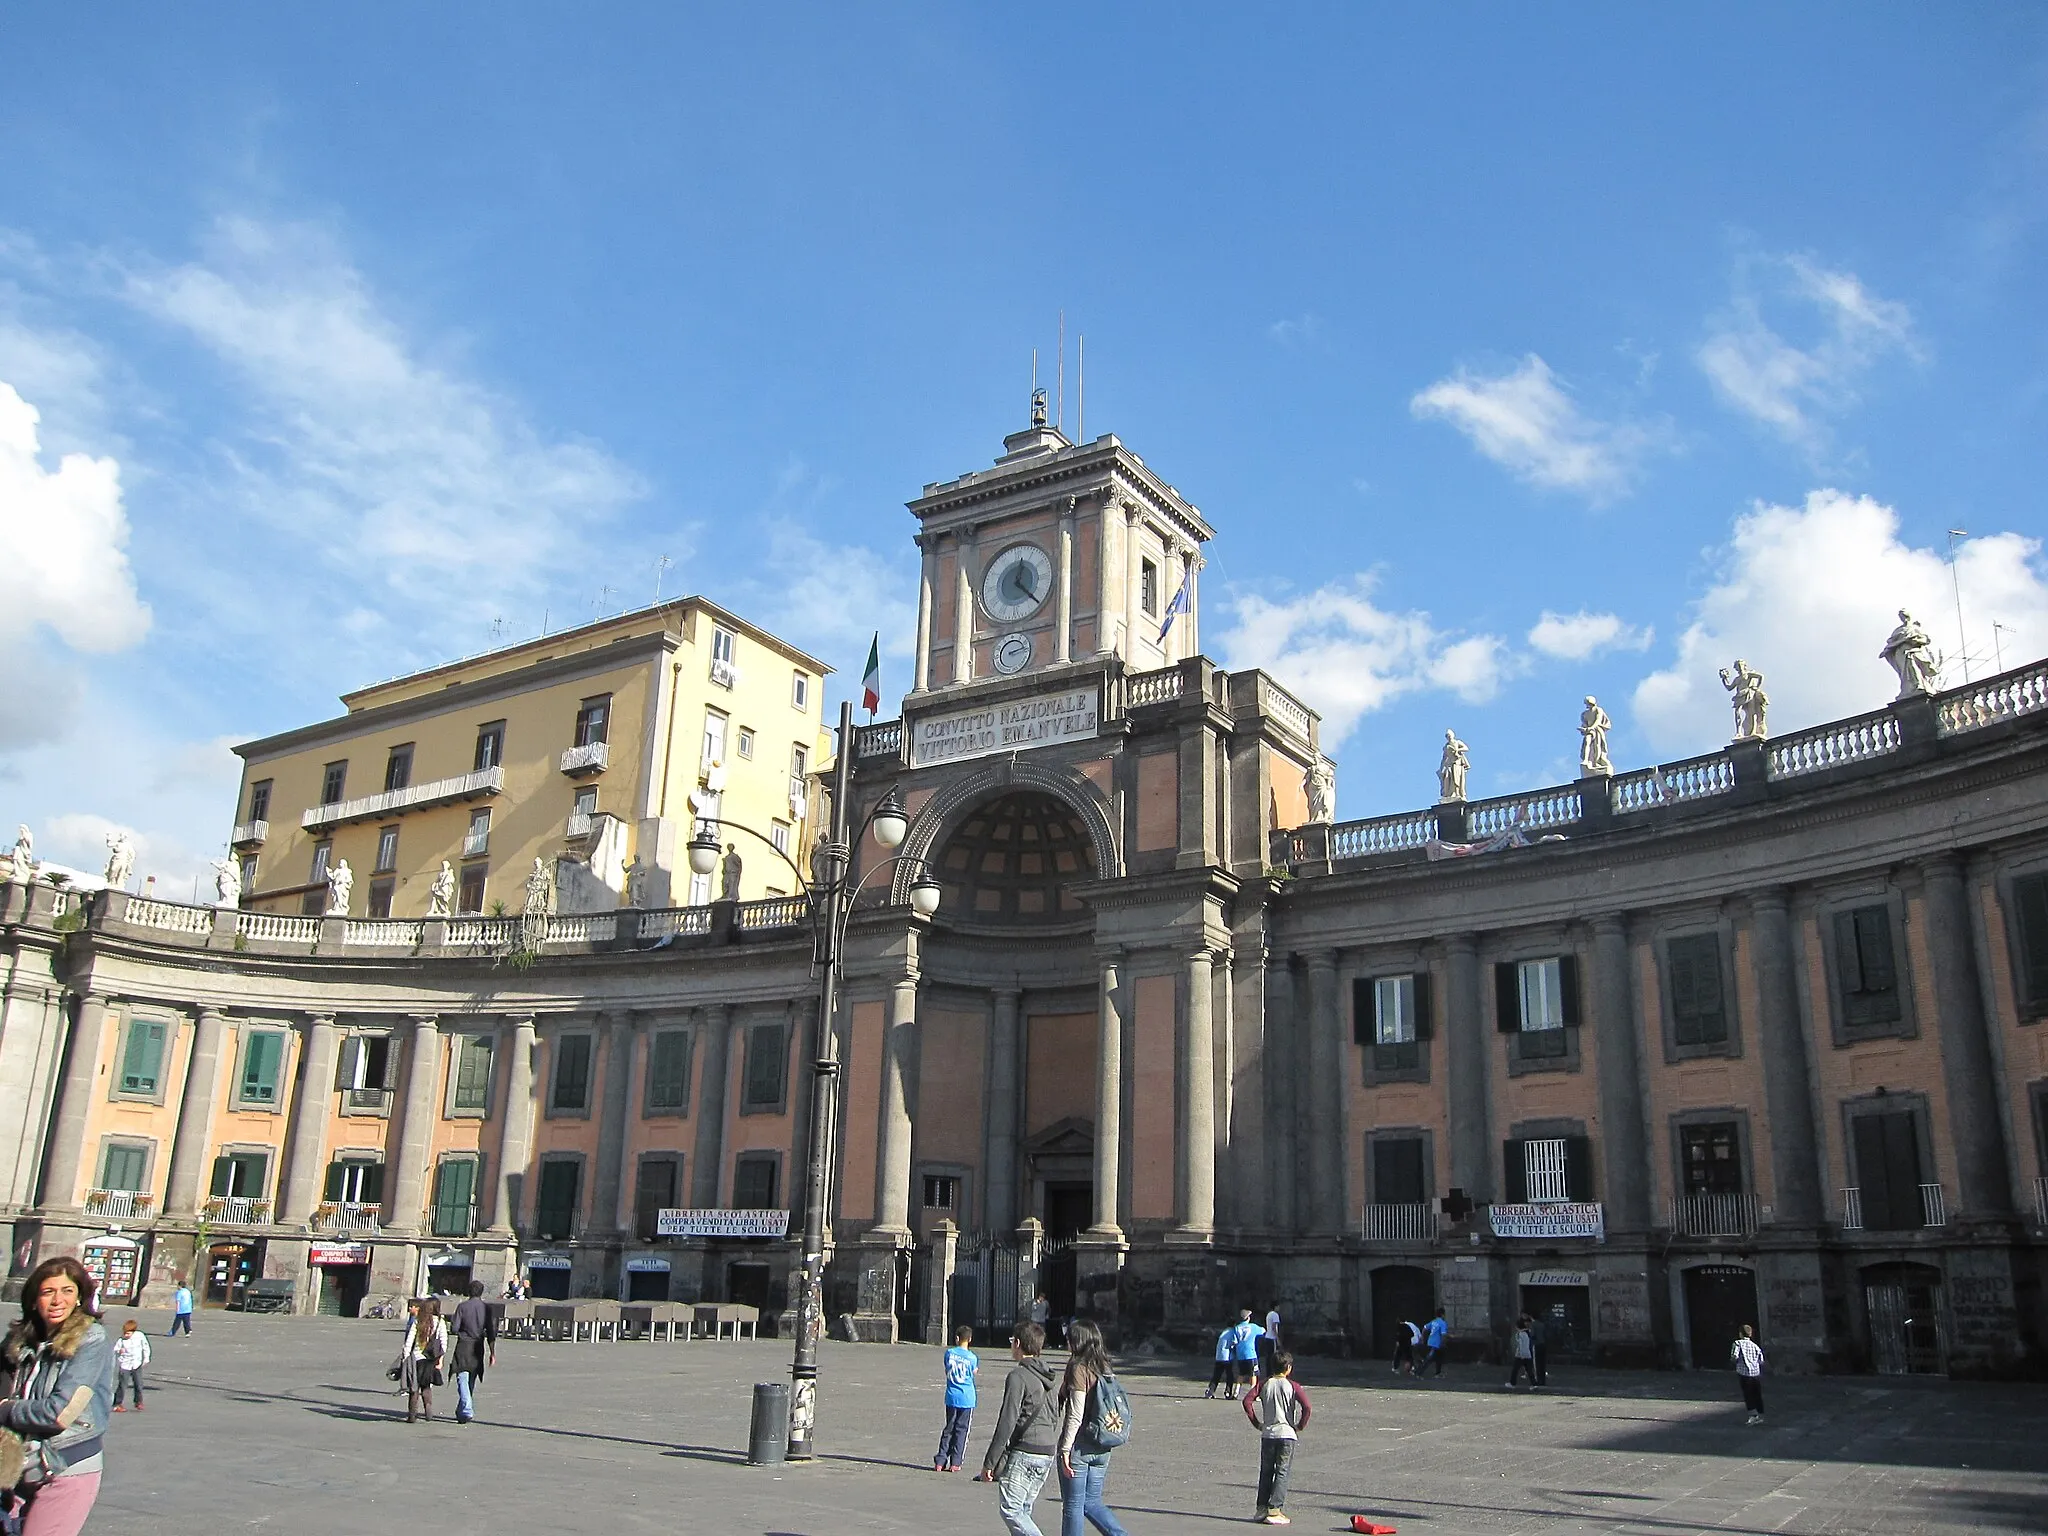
(64, 554)
(1347, 657)
(1787, 387)
(1527, 422)
(1576, 636)
(1808, 595)
(830, 599)
(1302, 330)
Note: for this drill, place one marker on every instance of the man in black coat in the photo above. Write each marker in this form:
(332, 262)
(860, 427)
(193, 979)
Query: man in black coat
(476, 1345)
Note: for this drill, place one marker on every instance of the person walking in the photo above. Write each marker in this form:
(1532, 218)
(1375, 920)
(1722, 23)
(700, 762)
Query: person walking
(1748, 1358)
(962, 1365)
(476, 1347)
(1244, 1352)
(1539, 1341)
(1521, 1354)
(419, 1358)
(1435, 1336)
(1271, 1342)
(1407, 1340)
(1086, 1441)
(60, 1380)
(131, 1354)
(1027, 1431)
(181, 1309)
(1279, 1412)
(1225, 1342)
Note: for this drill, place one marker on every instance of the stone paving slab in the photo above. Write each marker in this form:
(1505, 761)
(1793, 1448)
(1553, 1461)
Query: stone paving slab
(261, 1423)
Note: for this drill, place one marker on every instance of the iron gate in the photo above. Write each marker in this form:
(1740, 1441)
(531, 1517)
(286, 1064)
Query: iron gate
(985, 1287)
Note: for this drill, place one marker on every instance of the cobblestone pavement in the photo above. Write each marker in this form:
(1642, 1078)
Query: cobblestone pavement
(288, 1424)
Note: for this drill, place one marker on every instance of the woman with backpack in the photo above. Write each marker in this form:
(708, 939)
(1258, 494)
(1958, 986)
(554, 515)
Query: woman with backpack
(1095, 1418)
(420, 1361)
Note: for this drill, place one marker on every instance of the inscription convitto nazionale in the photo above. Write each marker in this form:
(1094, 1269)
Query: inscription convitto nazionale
(1040, 722)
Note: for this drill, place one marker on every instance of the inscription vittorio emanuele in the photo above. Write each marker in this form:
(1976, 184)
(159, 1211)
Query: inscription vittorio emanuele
(1017, 726)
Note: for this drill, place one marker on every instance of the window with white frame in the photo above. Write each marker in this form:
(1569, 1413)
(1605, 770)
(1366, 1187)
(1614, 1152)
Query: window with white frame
(1542, 991)
(1544, 1165)
(714, 739)
(746, 741)
(724, 645)
(800, 691)
(478, 839)
(778, 834)
(1394, 1010)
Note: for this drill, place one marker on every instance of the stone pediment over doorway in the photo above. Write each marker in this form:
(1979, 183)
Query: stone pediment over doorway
(1071, 1137)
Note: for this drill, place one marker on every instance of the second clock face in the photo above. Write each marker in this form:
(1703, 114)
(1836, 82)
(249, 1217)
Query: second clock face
(1017, 583)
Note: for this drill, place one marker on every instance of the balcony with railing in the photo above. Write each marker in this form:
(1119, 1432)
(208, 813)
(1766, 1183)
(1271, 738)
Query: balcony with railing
(591, 757)
(455, 1221)
(580, 825)
(367, 1101)
(1933, 1210)
(724, 673)
(238, 1211)
(120, 1204)
(346, 1217)
(396, 802)
(250, 834)
(883, 740)
(1714, 1216)
(1416, 1223)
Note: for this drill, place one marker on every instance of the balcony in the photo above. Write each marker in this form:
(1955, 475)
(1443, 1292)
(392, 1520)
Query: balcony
(238, 1210)
(581, 825)
(396, 802)
(120, 1204)
(592, 757)
(1933, 1210)
(1714, 1216)
(250, 834)
(346, 1217)
(367, 1101)
(459, 1221)
(724, 673)
(1404, 1223)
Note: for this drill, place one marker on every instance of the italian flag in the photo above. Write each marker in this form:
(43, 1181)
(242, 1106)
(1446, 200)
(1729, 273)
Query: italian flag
(871, 680)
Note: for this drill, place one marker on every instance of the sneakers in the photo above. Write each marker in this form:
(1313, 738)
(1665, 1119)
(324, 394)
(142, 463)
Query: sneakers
(1210, 1393)
(1754, 1418)
(119, 1409)
(1274, 1517)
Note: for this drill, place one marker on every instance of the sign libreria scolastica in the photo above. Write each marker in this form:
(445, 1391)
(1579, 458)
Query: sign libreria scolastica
(718, 1223)
(1017, 726)
(1560, 1219)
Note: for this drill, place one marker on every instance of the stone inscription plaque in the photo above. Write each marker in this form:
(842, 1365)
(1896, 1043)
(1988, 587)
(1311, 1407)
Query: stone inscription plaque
(1017, 726)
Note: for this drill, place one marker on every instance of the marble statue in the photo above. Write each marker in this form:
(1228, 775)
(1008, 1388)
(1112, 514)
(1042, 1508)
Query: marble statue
(1450, 773)
(636, 883)
(24, 856)
(1319, 784)
(540, 889)
(121, 861)
(441, 894)
(227, 882)
(1593, 728)
(1746, 694)
(729, 874)
(1910, 650)
(341, 884)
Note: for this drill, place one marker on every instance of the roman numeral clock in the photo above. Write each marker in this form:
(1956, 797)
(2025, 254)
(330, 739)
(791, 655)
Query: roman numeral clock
(1014, 587)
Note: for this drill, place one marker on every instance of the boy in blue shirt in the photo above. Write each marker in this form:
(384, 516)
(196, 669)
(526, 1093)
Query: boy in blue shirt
(1244, 1352)
(961, 1365)
(1223, 1372)
(1433, 1336)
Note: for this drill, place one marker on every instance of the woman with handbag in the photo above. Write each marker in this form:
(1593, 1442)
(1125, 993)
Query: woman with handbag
(60, 1385)
(420, 1360)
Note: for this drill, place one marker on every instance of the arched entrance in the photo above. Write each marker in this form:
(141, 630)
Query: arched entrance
(1015, 858)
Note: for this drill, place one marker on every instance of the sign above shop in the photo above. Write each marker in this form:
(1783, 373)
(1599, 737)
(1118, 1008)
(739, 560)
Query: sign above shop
(674, 1223)
(339, 1253)
(547, 1261)
(1017, 726)
(647, 1266)
(1556, 1277)
(1564, 1218)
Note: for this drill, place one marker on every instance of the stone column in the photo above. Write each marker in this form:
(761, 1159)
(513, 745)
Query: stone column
(1063, 610)
(1134, 597)
(1618, 1049)
(1109, 1099)
(619, 1037)
(1277, 1069)
(711, 1102)
(1230, 1201)
(408, 1201)
(1969, 1065)
(923, 662)
(300, 1188)
(1468, 1066)
(1788, 1084)
(1192, 620)
(515, 1130)
(963, 607)
(1325, 1065)
(1198, 1109)
(1105, 555)
(189, 1153)
(899, 1065)
(74, 1105)
(1004, 1055)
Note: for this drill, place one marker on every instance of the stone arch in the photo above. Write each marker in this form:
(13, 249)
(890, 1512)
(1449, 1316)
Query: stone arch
(943, 813)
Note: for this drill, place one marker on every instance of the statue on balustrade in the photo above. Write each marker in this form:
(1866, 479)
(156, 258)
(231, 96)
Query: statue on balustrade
(636, 883)
(1593, 728)
(1450, 773)
(227, 883)
(120, 859)
(1746, 694)
(1910, 650)
(1319, 784)
(540, 889)
(341, 884)
(23, 859)
(729, 874)
(441, 894)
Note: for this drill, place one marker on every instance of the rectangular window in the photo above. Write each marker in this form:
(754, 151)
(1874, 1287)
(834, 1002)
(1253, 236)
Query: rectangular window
(1397, 1171)
(1712, 1155)
(572, 1073)
(1865, 969)
(262, 1057)
(2030, 916)
(124, 1167)
(800, 691)
(714, 739)
(778, 834)
(240, 1174)
(753, 1184)
(554, 1213)
(668, 1072)
(387, 851)
(1543, 1161)
(1699, 1013)
(248, 874)
(398, 768)
(653, 1192)
(314, 902)
(941, 1192)
(322, 853)
(259, 800)
(746, 741)
(455, 1198)
(586, 802)
(477, 840)
(767, 1067)
(333, 780)
(1888, 1170)
(490, 746)
(700, 890)
(724, 646)
(366, 1071)
(381, 892)
(469, 896)
(472, 1074)
(1148, 588)
(799, 762)
(1548, 1168)
(354, 1181)
(1394, 1010)
(593, 720)
(1537, 1001)
(142, 1060)
(1542, 994)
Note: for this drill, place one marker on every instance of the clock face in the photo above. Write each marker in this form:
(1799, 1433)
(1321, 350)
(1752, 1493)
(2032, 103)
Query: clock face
(1017, 583)
(1013, 654)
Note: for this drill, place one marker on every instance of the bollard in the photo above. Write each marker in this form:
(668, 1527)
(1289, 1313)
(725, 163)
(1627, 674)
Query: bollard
(768, 1439)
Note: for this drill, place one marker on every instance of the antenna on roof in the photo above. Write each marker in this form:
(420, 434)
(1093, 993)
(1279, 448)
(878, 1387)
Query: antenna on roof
(1081, 388)
(1998, 631)
(1963, 640)
(604, 595)
(661, 565)
(1060, 421)
(497, 631)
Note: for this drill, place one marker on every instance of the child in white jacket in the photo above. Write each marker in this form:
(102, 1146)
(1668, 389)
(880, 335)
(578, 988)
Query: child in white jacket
(131, 1354)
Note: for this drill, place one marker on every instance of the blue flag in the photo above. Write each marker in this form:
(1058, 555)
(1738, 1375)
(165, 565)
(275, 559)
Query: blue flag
(1180, 605)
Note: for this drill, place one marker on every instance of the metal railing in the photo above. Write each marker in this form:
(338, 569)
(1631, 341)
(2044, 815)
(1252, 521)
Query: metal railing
(1399, 1223)
(1933, 1208)
(882, 740)
(579, 824)
(775, 912)
(1532, 812)
(383, 933)
(1852, 1209)
(678, 921)
(275, 929)
(238, 1210)
(347, 1216)
(170, 916)
(250, 834)
(1382, 834)
(371, 1099)
(1160, 687)
(596, 929)
(591, 757)
(2006, 697)
(120, 1204)
(464, 786)
(1696, 778)
(723, 672)
(1833, 745)
(1714, 1215)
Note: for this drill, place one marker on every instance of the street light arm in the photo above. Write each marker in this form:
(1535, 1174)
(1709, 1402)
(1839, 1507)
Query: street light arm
(810, 892)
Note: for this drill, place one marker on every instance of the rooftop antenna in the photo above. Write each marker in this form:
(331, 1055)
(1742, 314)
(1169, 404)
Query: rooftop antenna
(1997, 646)
(544, 622)
(497, 631)
(604, 595)
(1081, 388)
(1060, 420)
(661, 565)
(1957, 582)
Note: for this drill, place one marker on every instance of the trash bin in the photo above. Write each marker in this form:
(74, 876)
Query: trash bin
(768, 1439)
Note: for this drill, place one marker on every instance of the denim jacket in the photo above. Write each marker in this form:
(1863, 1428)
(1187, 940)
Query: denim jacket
(60, 1393)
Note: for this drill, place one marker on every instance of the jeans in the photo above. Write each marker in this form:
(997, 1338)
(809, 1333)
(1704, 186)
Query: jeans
(1275, 1458)
(1752, 1392)
(953, 1438)
(126, 1379)
(1521, 1364)
(1081, 1497)
(181, 1320)
(1021, 1484)
(1435, 1357)
(465, 1401)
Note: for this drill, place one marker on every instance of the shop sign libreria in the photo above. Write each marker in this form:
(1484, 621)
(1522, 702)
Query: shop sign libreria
(1565, 1218)
(708, 1223)
(1017, 726)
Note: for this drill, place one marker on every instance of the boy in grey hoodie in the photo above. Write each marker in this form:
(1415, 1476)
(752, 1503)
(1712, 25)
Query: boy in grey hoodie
(1027, 1432)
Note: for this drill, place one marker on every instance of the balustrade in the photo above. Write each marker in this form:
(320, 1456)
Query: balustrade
(277, 930)
(677, 921)
(1382, 834)
(591, 757)
(463, 786)
(170, 916)
(383, 933)
(883, 740)
(1161, 687)
(1287, 709)
(1833, 745)
(1697, 778)
(776, 912)
(477, 932)
(1531, 812)
(2005, 697)
(582, 929)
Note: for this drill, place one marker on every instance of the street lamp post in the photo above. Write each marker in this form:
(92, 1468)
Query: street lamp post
(830, 903)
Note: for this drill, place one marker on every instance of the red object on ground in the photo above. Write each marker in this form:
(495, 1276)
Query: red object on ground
(1367, 1528)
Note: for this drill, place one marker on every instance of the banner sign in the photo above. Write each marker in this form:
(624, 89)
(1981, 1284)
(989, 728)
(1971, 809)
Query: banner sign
(1561, 1219)
(547, 1261)
(339, 1253)
(1014, 727)
(672, 1223)
(1555, 1277)
(645, 1266)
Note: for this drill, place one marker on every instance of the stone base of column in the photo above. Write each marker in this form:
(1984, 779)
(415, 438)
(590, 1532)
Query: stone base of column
(1098, 1267)
(1190, 1237)
(877, 1289)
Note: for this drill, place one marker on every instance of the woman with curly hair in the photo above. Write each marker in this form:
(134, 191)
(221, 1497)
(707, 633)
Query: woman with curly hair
(420, 1359)
(60, 1384)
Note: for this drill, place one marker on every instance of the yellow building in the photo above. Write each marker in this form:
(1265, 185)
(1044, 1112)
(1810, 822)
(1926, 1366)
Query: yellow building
(589, 750)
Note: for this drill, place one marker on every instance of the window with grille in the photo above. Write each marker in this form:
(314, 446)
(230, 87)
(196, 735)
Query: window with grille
(1712, 1155)
(262, 1057)
(472, 1074)
(454, 1212)
(554, 1214)
(1547, 1168)
(142, 1059)
(767, 1066)
(124, 1166)
(1544, 1162)
(668, 1072)
(1699, 1013)
(1865, 968)
(653, 1192)
(572, 1073)
(941, 1192)
(753, 1183)
(333, 781)
(398, 768)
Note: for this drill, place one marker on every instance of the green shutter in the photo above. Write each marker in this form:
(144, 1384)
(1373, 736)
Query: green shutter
(123, 1168)
(473, 1073)
(2030, 899)
(223, 1176)
(260, 1058)
(334, 1176)
(454, 1193)
(142, 1061)
(668, 1085)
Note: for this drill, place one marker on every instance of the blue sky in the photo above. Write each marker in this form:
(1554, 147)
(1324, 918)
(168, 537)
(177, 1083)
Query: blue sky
(1515, 355)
